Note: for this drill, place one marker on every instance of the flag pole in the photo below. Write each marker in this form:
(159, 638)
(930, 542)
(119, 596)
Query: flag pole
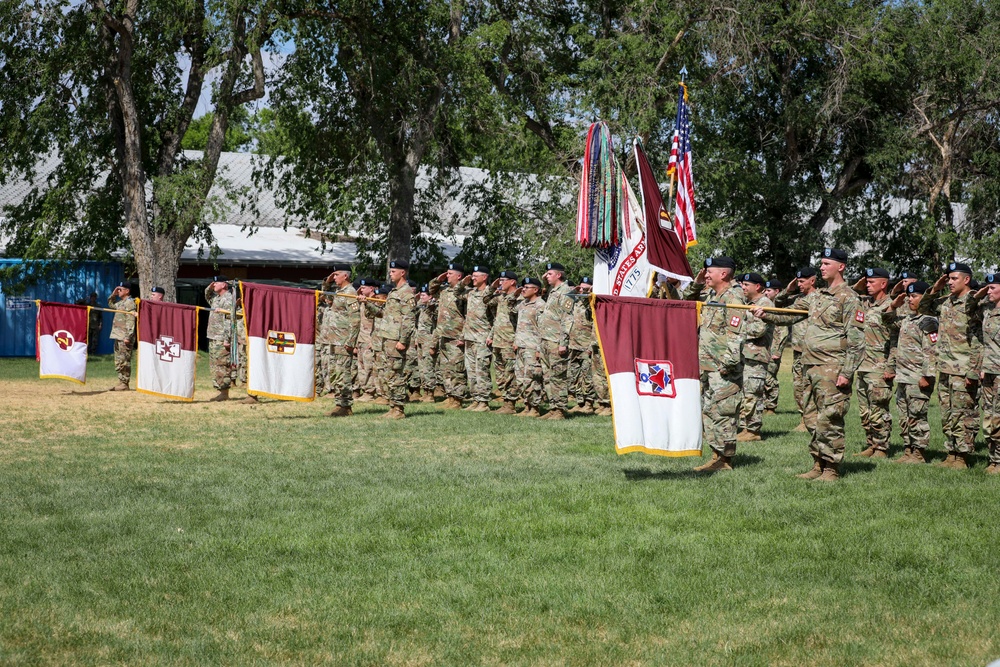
(743, 306)
(352, 296)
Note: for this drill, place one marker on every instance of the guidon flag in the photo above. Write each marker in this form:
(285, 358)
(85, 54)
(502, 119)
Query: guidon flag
(61, 341)
(650, 349)
(168, 345)
(281, 341)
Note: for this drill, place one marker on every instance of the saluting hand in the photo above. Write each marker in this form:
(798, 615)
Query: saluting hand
(939, 283)
(700, 278)
(898, 288)
(897, 302)
(861, 285)
(793, 286)
(442, 277)
(981, 293)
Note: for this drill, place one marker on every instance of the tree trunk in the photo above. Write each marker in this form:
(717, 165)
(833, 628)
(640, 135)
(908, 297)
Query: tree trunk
(402, 193)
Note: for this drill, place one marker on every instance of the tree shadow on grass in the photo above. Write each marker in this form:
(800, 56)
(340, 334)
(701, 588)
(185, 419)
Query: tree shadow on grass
(855, 467)
(644, 474)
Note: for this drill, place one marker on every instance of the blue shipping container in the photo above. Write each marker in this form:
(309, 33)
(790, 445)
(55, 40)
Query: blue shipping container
(64, 285)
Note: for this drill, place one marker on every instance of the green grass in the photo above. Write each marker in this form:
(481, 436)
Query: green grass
(140, 531)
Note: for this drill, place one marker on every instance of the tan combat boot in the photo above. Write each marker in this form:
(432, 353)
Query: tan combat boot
(223, 395)
(801, 428)
(341, 411)
(381, 400)
(830, 473)
(506, 409)
(121, 386)
(439, 392)
(365, 398)
(916, 456)
(250, 400)
(993, 469)
(395, 412)
(816, 470)
(880, 454)
(948, 461)
(584, 408)
(481, 406)
(428, 397)
(529, 411)
(605, 411)
(555, 413)
(867, 453)
(718, 465)
(451, 403)
(705, 466)
(747, 436)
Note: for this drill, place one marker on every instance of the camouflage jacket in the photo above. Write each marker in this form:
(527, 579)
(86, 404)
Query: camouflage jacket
(220, 324)
(913, 355)
(528, 314)
(426, 321)
(478, 315)
(123, 326)
(365, 330)
(451, 308)
(397, 316)
(556, 320)
(878, 323)
(720, 331)
(834, 337)
(990, 357)
(959, 332)
(797, 301)
(341, 320)
(758, 335)
(781, 337)
(581, 336)
(505, 321)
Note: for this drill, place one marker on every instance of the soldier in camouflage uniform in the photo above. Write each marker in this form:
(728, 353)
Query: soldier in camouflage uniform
(911, 364)
(797, 296)
(379, 367)
(989, 369)
(778, 342)
(528, 344)
(397, 322)
(719, 338)
(123, 333)
(478, 326)
(554, 327)
(958, 346)
(599, 378)
(758, 337)
(364, 382)
(874, 384)
(342, 322)
(449, 291)
(424, 337)
(833, 347)
(581, 340)
(502, 340)
(220, 336)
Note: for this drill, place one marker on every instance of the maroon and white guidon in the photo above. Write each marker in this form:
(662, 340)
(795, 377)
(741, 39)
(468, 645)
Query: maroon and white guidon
(281, 341)
(168, 345)
(61, 345)
(650, 349)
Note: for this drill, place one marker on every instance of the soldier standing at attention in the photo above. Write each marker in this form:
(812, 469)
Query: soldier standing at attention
(989, 369)
(449, 291)
(220, 336)
(581, 339)
(780, 339)
(364, 384)
(477, 328)
(528, 344)
(424, 337)
(719, 359)
(502, 340)
(123, 333)
(797, 296)
(911, 363)
(342, 321)
(398, 317)
(833, 346)
(157, 293)
(554, 326)
(958, 344)
(874, 384)
(758, 337)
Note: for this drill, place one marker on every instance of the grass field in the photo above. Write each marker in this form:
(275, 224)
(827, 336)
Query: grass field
(140, 531)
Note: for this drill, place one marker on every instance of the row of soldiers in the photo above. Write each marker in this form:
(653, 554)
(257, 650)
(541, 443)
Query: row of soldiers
(865, 335)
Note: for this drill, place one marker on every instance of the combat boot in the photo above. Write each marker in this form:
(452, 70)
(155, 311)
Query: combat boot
(555, 414)
(816, 470)
(381, 400)
(880, 454)
(905, 458)
(867, 453)
(223, 395)
(395, 413)
(414, 396)
(250, 400)
(916, 456)
(428, 397)
(720, 464)
(948, 461)
(962, 461)
(584, 408)
(769, 412)
(529, 411)
(439, 392)
(993, 469)
(481, 406)
(801, 428)
(605, 411)
(506, 409)
(831, 473)
(451, 403)
(121, 386)
(705, 466)
(341, 411)
(365, 398)
(747, 436)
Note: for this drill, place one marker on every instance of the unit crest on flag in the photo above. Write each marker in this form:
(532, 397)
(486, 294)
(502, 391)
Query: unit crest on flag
(64, 339)
(654, 378)
(167, 349)
(281, 342)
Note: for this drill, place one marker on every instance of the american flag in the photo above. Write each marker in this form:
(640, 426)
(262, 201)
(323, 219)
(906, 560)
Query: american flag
(679, 167)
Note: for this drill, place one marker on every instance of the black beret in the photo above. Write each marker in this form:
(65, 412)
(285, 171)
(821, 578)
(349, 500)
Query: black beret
(158, 290)
(918, 287)
(586, 281)
(385, 288)
(723, 261)
(364, 282)
(836, 254)
(960, 268)
(876, 273)
(906, 275)
(508, 274)
(805, 272)
(531, 281)
(341, 267)
(479, 268)
(127, 286)
(220, 279)
(456, 267)
(399, 264)
(554, 266)
(774, 284)
(424, 289)
(753, 278)
(992, 279)
(412, 283)
(974, 285)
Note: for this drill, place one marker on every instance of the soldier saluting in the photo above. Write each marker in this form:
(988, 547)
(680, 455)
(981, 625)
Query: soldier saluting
(123, 333)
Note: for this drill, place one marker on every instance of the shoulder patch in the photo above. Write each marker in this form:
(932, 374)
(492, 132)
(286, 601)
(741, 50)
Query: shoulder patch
(859, 316)
(934, 337)
(735, 321)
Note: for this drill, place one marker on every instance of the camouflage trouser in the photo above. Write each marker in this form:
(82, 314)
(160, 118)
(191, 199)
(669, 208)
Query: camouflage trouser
(959, 420)
(392, 364)
(412, 370)
(874, 394)
(720, 409)
(338, 380)
(365, 382)
(991, 416)
(477, 368)
(241, 370)
(504, 362)
(825, 407)
(600, 378)
(426, 363)
(451, 361)
(324, 353)
(752, 410)
(798, 381)
(123, 359)
(771, 385)
(579, 377)
(378, 380)
(528, 370)
(554, 369)
(220, 365)
(911, 403)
